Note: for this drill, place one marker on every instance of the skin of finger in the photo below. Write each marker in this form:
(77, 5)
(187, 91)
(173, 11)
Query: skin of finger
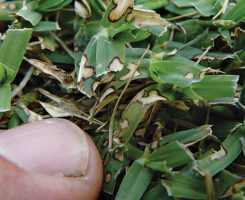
(18, 184)
(51, 146)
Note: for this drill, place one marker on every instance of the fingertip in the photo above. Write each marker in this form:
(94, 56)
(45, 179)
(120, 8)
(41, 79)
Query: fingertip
(37, 183)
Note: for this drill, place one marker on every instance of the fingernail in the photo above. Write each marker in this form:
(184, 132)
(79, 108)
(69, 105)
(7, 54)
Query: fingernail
(51, 146)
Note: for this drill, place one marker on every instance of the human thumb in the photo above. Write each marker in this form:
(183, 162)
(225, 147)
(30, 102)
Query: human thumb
(51, 159)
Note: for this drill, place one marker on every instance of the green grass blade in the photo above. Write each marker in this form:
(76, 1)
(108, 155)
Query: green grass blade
(225, 180)
(29, 14)
(223, 88)
(188, 137)
(216, 162)
(158, 192)
(22, 114)
(153, 4)
(174, 154)
(137, 108)
(173, 72)
(14, 47)
(11, 54)
(45, 26)
(181, 186)
(14, 121)
(5, 9)
(135, 182)
(111, 172)
(5, 97)
(236, 13)
(6, 73)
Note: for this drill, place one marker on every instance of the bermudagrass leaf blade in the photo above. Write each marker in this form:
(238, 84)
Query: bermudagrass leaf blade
(227, 179)
(174, 154)
(117, 12)
(112, 169)
(5, 97)
(110, 56)
(5, 9)
(135, 182)
(181, 186)
(174, 72)
(14, 47)
(236, 13)
(188, 137)
(223, 87)
(217, 161)
(11, 54)
(158, 192)
(29, 14)
(137, 108)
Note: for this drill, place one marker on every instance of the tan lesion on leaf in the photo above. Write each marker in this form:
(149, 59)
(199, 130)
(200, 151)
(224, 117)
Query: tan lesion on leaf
(154, 145)
(120, 9)
(140, 132)
(106, 78)
(119, 155)
(151, 98)
(124, 124)
(105, 143)
(209, 70)
(217, 155)
(95, 85)
(108, 177)
(201, 75)
(3, 7)
(85, 72)
(189, 75)
(147, 18)
(131, 67)
(115, 65)
(12, 6)
(107, 159)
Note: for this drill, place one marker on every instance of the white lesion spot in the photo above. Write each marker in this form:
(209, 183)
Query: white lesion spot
(80, 10)
(115, 65)
(151, 98)
(131, 67)
(3, 7)
(189, 75)
(217, 155)
(12, 6)
(124, 124)
(108, 177)
(95, 85)
(121, 8)
(88, 73)
(119, 155)
(84, 72)
(201, 75)
(154, 145)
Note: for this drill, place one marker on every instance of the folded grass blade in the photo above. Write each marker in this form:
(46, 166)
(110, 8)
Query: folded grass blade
(232, 147)
(181, 186)
(174, 154)
(188, 137)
